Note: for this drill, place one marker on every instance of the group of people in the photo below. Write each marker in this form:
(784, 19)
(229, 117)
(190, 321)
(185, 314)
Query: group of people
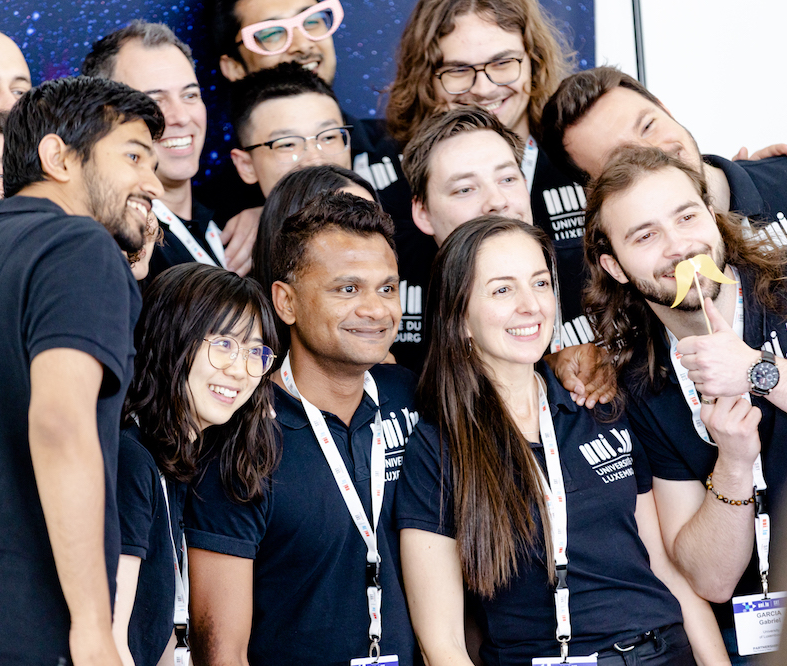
(399, 392)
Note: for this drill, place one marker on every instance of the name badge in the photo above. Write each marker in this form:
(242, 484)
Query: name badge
(758, 622)
(548, 661)
(383, 660)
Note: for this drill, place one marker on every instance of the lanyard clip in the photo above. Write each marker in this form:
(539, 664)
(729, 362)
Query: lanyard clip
(373, 574)
(563, 651)
(561, 570)
(764, 580)
(374, 650)
(182, 635)
(760, 501)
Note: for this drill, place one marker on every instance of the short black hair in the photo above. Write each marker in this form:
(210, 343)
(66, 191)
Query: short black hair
(81, 111)
(287, 79)
(101, 60)
(330, 211)
(226, 26)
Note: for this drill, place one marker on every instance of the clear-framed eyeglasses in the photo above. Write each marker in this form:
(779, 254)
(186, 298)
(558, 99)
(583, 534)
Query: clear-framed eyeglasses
(223, 351)
(288, 149)
(501, 72)
(275, 36)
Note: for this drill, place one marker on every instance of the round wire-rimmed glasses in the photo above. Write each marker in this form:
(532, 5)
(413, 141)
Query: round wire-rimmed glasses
(223, 350)
(275, 36)
(501, 72)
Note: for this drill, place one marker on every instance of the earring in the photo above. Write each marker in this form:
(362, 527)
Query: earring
(469, 347)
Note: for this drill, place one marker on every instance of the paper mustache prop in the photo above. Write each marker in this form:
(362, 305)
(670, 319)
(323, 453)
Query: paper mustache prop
(686, 272)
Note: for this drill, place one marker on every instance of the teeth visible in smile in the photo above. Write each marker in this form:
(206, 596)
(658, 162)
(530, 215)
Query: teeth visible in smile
(493, 106)
(177, 142)
(523, 332)
(136, 205)
(311, 66)
(228, 393)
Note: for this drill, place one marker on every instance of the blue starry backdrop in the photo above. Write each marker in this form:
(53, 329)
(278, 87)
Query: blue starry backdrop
(55, 36)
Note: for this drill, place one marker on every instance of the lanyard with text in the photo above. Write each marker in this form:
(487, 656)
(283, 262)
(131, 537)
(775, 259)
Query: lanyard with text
(350, 495)
(762, 524)
(176, 226)
(529, 160)
(555, 493)
(181, 617)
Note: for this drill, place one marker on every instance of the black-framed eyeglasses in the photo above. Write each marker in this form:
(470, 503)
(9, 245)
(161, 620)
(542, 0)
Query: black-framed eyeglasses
(223, 350)
(501, 72)
(288, 149)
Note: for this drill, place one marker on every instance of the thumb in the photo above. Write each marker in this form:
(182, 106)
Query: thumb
(717, 321)
(742, 154)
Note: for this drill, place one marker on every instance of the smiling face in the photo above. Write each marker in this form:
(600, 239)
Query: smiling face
(299, 115)
(217, 394)
(511, 310)
(345, 300)
(655, 224)
(471, 174)
(474, 41)
(166, 75)
(14, 73)
(119, 181)
(319, 56)
(622, 116)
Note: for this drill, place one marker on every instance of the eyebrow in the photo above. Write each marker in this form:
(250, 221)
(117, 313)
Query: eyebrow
(281, 18)
(359, 280)
(678, 209)
(497, 56)
(512, 278)
(146, 147)
(325, 124)
(20, 77)
(158, 91)
(470, 174)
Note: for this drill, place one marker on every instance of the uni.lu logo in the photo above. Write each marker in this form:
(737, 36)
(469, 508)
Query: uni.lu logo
(600, 450)
(411, 298)
(564, 199)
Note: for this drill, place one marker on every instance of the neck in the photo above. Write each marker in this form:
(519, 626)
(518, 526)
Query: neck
(683, 324)
(719, 188)
(59, 195)
(177, 197)
(523, 128)
(337, 390)
(518, 388)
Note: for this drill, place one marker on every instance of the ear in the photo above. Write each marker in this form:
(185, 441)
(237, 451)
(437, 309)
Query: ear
(57, 159)
(282, 297)
(421, 218)
(231, 68)
(244, 166)
(611, 265)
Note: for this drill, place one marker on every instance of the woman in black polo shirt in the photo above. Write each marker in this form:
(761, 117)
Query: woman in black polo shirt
(511, 491)
(204, 342)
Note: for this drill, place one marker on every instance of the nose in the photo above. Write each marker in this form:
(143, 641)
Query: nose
(237, 369)
(527, 303)
(312, 155)
(150, 184)
(483, 86)
(175, 113)
(373, 306)
(300, 42)
(495, 201)
(676, 244)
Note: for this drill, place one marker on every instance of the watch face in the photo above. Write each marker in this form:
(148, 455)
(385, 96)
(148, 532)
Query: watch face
(764, 376)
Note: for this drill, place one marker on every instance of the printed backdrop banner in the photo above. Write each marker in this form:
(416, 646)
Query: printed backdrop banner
(55, 36)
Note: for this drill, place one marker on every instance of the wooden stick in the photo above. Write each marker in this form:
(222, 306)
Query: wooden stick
(702, 302)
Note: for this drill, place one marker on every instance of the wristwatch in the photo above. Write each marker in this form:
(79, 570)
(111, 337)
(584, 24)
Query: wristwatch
(763, 374)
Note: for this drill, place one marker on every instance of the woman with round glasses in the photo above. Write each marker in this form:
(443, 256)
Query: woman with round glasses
(204, 342)
(535, 507)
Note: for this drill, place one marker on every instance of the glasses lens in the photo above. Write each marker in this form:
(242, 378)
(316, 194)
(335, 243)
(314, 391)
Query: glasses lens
(271, 39)
(503, 72)
(222, 352)
(288, 149)
(259, 361)
(333, 141)
(458, 80)
(319, 23)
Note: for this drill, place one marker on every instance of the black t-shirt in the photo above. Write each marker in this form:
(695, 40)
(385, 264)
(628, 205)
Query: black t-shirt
(63, 284)
(173, 252)
(145, 533)
(613, 593)
(310, 562)
(663, 423)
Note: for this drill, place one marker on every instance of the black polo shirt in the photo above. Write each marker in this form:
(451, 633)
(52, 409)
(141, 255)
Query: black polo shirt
(662, 422)
(613, 592)
(310, 562)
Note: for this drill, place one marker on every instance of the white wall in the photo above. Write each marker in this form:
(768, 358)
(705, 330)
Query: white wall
(720, 66)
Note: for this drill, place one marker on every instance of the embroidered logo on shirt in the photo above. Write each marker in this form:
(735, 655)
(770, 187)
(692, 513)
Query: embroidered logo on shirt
(611, 462)
(397, 429)
(565, 206)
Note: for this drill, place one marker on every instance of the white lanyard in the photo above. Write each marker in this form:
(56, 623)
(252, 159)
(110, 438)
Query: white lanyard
(176, 226)
(349, 494)
(181, 597)
(529, 162)
(762, 525)
(555, 493)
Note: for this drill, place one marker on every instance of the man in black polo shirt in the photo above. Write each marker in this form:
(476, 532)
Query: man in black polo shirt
(295, 578)
(80, 177)
(150, 58)
(645, 214)
(595, 111)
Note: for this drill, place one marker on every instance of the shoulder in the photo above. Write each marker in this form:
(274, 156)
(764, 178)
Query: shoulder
(134, 456)
(395, 381)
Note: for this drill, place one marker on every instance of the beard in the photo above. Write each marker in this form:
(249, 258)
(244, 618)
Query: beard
(654, 292)
(108, 208)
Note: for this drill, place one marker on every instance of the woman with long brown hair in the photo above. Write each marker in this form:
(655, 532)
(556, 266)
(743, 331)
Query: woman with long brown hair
(539, 509)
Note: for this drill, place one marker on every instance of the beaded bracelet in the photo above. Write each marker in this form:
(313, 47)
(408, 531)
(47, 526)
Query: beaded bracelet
(726, 500)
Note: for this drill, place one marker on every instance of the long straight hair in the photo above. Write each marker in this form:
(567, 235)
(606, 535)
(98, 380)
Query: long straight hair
(496, 477)
(182, 306)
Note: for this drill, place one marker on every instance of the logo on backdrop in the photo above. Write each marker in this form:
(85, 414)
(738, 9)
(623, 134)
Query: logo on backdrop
(411, 324)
